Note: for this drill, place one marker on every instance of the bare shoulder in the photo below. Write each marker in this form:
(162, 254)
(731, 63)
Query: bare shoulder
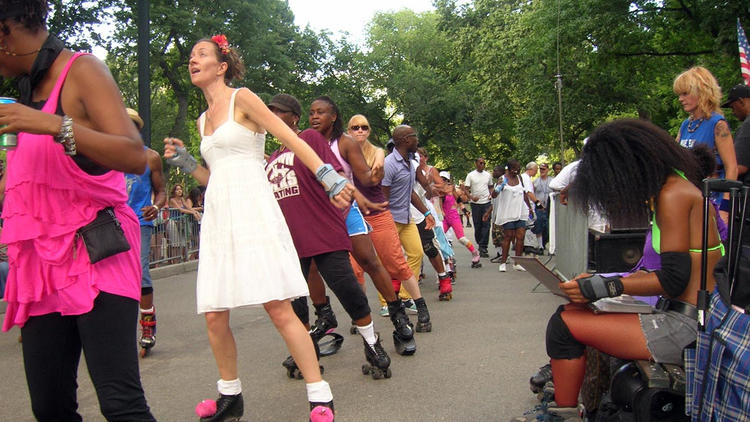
(678, 194)
(89, 69)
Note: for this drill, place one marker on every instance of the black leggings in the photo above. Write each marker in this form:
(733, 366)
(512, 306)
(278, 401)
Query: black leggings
(337, 272)
(52, 346)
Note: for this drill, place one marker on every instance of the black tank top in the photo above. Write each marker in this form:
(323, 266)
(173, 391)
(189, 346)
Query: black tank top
(84, 163)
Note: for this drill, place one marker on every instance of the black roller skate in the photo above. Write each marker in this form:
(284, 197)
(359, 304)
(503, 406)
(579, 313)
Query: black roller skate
(293, 371)
(403, 333)
(323, 327)
(322, 412)
(325, 322)
(423, 316)
(148, 332)
(538, 380)
(228, 409)
(378, 360)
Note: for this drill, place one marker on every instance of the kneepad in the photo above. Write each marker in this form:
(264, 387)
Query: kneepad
(429, 249)
(560, 342)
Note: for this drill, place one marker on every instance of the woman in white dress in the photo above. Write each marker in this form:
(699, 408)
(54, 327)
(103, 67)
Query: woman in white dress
(247, 255)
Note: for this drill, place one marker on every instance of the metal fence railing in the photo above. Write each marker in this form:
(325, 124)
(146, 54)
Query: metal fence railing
(175, 238)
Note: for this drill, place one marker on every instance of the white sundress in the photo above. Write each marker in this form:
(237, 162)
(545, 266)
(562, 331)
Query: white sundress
(246, 252)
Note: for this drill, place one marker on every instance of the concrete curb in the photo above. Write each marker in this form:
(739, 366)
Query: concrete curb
(174, 269)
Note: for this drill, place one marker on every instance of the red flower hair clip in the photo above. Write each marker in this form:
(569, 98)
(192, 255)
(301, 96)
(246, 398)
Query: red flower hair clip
(221, 40)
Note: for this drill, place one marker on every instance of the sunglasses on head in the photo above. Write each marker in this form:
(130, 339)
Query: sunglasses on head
(358, 127)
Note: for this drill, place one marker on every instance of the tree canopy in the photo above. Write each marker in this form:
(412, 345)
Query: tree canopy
(473, 77)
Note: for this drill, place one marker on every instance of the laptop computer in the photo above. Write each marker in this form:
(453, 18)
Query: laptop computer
(551, 279)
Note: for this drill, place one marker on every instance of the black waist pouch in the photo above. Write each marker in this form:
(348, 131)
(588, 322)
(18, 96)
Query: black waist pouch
(104, 237)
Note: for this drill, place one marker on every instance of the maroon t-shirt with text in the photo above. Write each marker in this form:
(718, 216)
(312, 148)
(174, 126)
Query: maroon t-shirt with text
(316, 225)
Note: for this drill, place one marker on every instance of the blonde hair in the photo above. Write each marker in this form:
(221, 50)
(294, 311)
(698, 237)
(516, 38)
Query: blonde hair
(700, 82)
(368, 149)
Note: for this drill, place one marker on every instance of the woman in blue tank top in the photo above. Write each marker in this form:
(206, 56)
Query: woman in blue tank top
(700, 95)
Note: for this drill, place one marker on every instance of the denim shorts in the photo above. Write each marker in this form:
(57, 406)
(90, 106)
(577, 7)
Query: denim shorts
(667, 333)
(512, 225)
(355, 221)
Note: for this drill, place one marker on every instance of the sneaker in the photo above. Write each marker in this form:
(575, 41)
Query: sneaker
(502, 268)
(384, 311)
(410, 307)
(518, 267)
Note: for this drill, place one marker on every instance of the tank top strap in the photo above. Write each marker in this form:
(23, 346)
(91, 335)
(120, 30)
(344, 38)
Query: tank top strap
(230, 117)
(51, 105)
(202, 122)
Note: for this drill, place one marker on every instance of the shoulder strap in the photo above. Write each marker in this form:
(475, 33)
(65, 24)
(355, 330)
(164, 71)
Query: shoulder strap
(230, 117)
(51, 105)
(202, 122)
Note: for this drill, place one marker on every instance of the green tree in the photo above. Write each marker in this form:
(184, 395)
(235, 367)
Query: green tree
(277, 55)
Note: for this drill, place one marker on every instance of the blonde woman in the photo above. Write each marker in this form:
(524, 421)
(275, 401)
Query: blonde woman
(385, 236)
(700, 96)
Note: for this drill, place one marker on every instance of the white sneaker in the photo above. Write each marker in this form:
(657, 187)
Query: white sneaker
(518, 267)
(502, 268)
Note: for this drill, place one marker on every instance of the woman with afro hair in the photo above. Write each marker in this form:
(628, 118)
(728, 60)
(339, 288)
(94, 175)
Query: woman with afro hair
(633, 169)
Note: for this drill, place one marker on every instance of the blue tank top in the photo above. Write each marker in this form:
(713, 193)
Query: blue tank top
(139, 193)
(702, 135)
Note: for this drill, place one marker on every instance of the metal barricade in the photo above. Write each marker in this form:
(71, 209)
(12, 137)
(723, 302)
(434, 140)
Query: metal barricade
(175, 238)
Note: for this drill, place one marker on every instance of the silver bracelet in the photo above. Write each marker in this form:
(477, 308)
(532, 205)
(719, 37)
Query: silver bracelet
(65, 137)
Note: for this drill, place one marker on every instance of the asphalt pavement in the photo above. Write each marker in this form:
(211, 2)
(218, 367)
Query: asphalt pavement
(473, 366)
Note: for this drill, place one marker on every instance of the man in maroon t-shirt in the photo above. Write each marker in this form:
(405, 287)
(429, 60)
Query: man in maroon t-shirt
(319, 234)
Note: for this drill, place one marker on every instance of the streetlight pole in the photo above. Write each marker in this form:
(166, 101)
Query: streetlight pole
(144, 74)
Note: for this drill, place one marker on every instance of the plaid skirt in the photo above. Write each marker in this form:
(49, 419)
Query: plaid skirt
(718, 369)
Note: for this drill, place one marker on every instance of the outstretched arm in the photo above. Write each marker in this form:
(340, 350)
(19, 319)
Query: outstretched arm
(257, 111)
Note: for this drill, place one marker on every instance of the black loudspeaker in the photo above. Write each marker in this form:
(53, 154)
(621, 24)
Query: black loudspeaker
(615, 252)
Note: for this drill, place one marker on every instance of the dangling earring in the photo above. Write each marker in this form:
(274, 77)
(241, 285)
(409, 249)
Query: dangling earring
(4, 50)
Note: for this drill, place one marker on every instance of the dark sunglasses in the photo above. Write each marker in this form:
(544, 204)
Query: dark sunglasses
(358, 127)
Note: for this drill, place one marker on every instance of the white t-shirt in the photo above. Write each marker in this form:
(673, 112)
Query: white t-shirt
(528, 186)
(510, 204)
(566, 176)
(478, 184)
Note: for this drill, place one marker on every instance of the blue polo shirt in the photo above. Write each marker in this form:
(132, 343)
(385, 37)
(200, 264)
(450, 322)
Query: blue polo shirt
(399, 176)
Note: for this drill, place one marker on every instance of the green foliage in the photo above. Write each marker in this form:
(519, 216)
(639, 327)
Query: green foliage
(472, 77)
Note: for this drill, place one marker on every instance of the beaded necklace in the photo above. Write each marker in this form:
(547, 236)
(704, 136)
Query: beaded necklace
(693, 125)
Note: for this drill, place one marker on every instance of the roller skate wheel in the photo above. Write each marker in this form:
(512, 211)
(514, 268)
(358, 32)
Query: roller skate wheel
(321, 414)
(366, 369)
(206, 408)
(388, 373)
(143, 352)
(353, 330)
(377, 374)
